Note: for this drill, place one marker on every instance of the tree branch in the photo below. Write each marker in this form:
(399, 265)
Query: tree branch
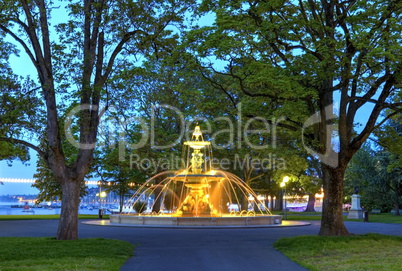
(118, 49)
(370, 126)
(25, 143)
(22, 43)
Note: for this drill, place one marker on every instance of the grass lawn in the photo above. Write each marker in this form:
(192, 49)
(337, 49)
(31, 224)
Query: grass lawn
(31, 217)
(29, 253)
(358, 252)
(381, 218)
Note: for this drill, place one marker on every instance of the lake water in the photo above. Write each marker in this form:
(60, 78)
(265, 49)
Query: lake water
(5, 209)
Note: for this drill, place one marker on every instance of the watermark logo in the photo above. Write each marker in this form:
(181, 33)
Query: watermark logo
(257, 134)
(174, 162)
(329, 157)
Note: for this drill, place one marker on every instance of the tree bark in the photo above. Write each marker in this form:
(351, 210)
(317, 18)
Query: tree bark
(68, 224)
(310, 203)
(279, 202)
(332, 213)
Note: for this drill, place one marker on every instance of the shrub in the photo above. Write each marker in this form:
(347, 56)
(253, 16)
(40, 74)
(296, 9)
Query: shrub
(140, 206)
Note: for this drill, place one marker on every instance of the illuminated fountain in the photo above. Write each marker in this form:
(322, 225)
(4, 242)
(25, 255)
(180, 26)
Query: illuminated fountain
(196, 195)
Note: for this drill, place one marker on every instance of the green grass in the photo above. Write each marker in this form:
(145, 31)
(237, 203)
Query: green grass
(45, 217)
(303, 217)
(44, 253)
(380, 218)
(359, 252)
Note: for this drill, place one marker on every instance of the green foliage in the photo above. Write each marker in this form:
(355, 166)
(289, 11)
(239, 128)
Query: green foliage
(379, 187)
(28, 253)
(116, 175)
(18, 106)
(93, 41)
(295, 59)
(49, 188)
(389, 138)
(140, 206)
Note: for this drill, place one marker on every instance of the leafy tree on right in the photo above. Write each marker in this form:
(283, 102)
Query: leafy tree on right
(319, 64)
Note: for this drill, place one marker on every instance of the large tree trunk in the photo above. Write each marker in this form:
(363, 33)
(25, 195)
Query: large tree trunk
(68, 224)
(332, 213)
(310, 203)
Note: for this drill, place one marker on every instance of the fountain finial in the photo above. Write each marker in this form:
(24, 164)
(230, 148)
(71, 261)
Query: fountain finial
(197, 133)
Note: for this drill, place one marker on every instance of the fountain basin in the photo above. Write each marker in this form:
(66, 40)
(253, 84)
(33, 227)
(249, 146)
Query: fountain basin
(196, 221)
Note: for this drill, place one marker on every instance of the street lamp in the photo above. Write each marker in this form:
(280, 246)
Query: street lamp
(283, 186)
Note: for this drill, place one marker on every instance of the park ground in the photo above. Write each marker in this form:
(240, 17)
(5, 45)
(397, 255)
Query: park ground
(231, 249)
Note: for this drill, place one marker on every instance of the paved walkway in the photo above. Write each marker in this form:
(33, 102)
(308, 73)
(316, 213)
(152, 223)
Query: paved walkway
(196, 249)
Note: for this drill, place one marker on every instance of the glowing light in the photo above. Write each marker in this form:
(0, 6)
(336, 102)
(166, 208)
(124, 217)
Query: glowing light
(17, 180)
(12, 180)
(285, 179)
(212, 172)
(103, 194)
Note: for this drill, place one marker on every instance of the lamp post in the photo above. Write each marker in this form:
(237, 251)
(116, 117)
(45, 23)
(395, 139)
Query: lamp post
(283, 186)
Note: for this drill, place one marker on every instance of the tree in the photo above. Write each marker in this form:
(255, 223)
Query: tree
(49, 188)
(299, 58)
(389, 138)
(18, 101)
(312, 183)
(379, 186)
(117, 176)
(73, 70)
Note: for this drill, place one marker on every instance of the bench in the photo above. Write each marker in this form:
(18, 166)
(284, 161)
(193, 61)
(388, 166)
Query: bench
(393, 211)
(376, 211)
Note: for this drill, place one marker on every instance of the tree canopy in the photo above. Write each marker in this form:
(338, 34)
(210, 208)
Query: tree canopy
(317, 63)
(74, 60)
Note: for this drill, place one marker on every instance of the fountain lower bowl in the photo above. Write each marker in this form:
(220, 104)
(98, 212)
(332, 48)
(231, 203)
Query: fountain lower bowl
(168, 220)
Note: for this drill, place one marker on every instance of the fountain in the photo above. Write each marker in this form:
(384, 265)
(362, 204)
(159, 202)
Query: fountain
(197, 195)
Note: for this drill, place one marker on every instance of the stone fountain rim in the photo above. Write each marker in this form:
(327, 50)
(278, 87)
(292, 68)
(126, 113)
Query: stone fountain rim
(284, 224)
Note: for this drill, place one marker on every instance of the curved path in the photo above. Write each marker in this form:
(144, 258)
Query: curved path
(196, 249)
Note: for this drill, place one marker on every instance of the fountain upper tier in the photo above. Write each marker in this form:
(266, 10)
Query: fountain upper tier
(198, 154)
